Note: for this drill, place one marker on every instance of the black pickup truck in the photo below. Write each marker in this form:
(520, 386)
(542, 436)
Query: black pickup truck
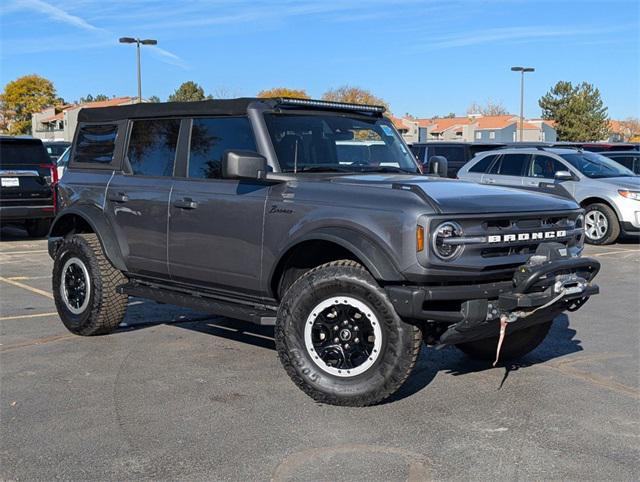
(260, 210)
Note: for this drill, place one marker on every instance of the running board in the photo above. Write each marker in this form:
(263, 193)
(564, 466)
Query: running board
(259, 314)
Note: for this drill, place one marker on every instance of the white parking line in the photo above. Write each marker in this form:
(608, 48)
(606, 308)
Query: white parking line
(27, 287)
(33, 251)
(623, 251)
(20, 317)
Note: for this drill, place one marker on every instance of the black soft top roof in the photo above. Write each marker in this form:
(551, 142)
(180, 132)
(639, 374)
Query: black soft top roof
(217, 107)
(166, 109)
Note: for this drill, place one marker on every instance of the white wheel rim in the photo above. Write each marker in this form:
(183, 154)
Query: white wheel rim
(73, 264)
(596, 225)
(344, 334)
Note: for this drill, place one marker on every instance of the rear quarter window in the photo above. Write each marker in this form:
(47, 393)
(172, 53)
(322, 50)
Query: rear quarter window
(483, 164)
(95, 144)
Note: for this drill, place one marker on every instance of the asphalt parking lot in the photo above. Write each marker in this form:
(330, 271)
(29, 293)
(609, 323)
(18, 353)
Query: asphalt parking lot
(177, 394)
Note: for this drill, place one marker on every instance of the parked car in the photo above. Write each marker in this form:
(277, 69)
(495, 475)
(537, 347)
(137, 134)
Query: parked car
(629, 159)
(63, 162)
(255, 209)
(609, 192)
(27, 185)
(55, 149)
(456, 153)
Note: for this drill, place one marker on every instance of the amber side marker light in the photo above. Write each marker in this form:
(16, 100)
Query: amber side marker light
(419, 238)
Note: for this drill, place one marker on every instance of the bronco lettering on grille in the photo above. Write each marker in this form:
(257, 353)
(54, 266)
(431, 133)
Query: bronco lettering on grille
(535, 236)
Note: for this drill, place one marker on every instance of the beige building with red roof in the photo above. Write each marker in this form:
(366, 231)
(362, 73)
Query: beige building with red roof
(58, 123)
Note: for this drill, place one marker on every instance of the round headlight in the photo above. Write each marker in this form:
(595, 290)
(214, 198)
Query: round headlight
(441, 247)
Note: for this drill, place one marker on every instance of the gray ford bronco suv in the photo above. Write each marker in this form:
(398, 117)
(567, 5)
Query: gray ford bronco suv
(314, 217)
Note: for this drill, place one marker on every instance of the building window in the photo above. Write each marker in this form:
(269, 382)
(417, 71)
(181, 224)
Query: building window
(492, 134)
(478, 135)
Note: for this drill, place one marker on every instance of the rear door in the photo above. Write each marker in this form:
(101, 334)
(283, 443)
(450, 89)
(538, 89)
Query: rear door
(26, 176)
(508, 170)
(477, 168)
(215, 224)
(138, 196)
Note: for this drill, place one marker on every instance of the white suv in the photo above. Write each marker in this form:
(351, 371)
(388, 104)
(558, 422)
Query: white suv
(609, 192)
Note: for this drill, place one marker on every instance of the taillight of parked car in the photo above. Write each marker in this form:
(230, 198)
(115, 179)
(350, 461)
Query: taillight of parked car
(52, 181)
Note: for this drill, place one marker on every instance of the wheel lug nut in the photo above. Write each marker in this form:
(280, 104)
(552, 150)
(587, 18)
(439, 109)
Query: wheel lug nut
(345, 322)
(346, 345)
(336, 340)
(356, 340)
(356, 328)
(335, 328)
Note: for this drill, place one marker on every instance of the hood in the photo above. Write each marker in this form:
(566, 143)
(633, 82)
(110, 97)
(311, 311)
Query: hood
(452, 196)
(631, 183)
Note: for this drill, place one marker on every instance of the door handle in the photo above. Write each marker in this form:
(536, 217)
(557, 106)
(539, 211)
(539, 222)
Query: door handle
(118, 197)
(490, 181)
(186, 203)
(533, 183)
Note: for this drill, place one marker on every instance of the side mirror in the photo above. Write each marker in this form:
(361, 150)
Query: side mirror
(438, 166)
(563, 176)
(243, 165)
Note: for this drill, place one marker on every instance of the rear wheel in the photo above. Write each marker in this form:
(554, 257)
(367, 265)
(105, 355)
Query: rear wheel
(339, 338)
(515, 345)
(38, 228)
(84, 287)
(601, 225)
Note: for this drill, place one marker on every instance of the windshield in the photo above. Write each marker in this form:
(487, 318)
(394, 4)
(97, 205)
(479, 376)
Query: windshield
(595, 165)
(334, 142)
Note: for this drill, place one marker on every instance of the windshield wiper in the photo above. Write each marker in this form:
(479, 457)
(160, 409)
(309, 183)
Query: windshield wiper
(322, 169)
(386, 169)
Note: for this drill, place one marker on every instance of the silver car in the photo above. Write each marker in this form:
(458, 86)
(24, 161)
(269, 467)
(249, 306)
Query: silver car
(609, 192)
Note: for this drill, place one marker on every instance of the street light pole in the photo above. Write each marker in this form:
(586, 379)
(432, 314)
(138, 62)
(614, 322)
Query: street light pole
(138, 42)
(522, 70)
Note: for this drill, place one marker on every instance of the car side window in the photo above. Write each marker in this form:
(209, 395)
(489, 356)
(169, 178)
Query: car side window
(95, 143)
(512, 164)
(152, 147)
(483, 164)
(626, 161)
(545, 167)
(211, 137)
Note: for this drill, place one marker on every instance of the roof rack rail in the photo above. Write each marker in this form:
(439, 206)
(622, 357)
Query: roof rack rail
(326, 104)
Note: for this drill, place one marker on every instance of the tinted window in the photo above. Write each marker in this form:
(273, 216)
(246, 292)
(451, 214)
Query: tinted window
(419, 152)
(626, 161)
(96, 143)
(152, 147)
(18, 152)
(452, 153)
(483, 164)
(211, 137)
(56, 149)
(512, 164)
(545, 167)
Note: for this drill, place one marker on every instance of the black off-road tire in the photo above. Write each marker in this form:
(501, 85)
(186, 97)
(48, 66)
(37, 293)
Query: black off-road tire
(106, 308)
(399, 350)
(613, 228)
(38, 228)
(515, 345)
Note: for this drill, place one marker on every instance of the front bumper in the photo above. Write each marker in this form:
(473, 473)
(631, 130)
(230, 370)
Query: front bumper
(473, 311)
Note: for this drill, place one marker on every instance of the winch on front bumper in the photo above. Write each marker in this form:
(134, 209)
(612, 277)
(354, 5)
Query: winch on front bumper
(549, 283)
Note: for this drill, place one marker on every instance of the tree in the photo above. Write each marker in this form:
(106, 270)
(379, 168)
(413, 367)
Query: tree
(90, 98)
(188, 92)
(284, 92)
(578, 112)
(489, 108)
(353, 95)
(23, 97)
(154, 99)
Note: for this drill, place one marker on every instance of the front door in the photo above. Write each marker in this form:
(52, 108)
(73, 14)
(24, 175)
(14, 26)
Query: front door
(215, 224)
(138, 200)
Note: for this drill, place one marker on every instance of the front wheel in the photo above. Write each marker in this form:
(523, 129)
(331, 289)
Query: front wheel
(601, 225)
(515, 345)
(340, 339)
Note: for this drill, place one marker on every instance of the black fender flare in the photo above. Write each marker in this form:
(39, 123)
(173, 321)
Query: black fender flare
(369, 252)
(95, 218)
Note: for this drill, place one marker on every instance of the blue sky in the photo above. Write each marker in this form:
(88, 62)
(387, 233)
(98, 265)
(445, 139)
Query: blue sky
(422, 57)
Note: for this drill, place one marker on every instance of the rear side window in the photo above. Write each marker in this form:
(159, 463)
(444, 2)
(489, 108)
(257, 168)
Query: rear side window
(483, 164)
(511, 165)
(95, 143)
(210, 138)
(630, 162)
(419, 152)
(152, 147)
(19, 152)
(455, 155)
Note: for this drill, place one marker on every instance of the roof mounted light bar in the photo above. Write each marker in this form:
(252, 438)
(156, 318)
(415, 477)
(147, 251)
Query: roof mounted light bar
(325, 104)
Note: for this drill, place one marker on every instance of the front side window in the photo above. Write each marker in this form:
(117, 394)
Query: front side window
(210, 138)
(152, 146)
(95, 143)
(335, 142)
(545, 167)
(596, 166)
